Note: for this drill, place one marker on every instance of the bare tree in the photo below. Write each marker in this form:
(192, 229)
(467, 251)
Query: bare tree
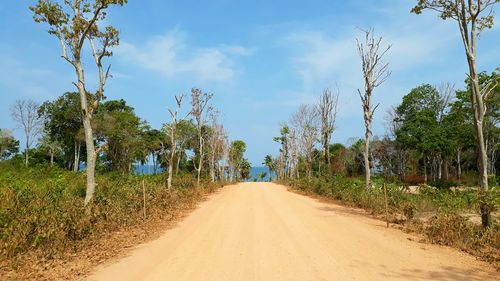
(172, 131)
(393, 123)
(375, 72)
(293, 147)
(75, 24)
(25, 114)
(216, 145)
(51, 145)
(200, 108)
(224, 167)
(305, 120)
(327, 108)
(472, 16)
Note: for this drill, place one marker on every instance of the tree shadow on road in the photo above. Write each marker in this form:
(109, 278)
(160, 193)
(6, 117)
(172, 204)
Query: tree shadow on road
(445, 273)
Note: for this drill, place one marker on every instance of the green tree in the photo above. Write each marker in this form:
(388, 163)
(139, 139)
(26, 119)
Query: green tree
(186, 140)
(472, 17)
(420, 127)
(74, 23)
(120, 129)
(9, 146)
(63, 124)
(245, 169)
(270, 163)
(236, 161)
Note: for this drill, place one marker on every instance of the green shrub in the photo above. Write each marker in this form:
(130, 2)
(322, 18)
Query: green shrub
(42, 207)
(443, 184)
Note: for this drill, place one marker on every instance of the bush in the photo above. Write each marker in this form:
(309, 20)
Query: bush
(42, 207)
(443, 184)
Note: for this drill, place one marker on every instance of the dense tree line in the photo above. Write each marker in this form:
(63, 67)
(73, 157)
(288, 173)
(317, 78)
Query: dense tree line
(128, 144)
(430, 137)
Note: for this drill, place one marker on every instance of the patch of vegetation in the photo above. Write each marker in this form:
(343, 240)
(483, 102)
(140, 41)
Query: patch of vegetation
(43, 208)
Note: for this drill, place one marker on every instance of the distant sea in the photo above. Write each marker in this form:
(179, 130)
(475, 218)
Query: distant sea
(259, 170)
(149, 169)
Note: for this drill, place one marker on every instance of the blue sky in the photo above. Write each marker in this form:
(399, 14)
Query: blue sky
(261, 59)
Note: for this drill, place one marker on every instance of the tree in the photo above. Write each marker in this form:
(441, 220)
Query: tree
(51, 145)
(186, 139)
(375, 72)
(420, 116)
(245, 169)
(472, 16)
(120, 130)
(236, 153)
(327, 107)
(63, 124)
(270, 163)
(25, 114)
(282, 164)
(305, 120)
(8, 144)
(217, 138)
(200, 108)
(74, 24)
(172, 129)
(151, 139)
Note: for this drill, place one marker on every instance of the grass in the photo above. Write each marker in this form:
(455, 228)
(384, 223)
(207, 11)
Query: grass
(438, 214)
(42, 208)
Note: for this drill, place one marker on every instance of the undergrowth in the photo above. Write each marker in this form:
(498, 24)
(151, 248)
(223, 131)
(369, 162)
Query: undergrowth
(42, 208)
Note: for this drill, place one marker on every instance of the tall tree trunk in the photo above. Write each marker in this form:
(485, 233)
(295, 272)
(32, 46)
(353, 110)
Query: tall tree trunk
(212, 167)
(76, 164)
(26, 160)
(425, 169)
(179, 158)
(446, 173)
(478, 104)
(171, 159)
(89, 137)
(440, 167)
(459, 164)
(200, 162)
(366, 156)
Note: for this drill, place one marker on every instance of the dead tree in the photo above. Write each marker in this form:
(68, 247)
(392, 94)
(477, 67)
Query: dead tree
(173, 134)
(375, 72)
(25, 114)
(216, 145)
(200, 108)
(472, 16)
(327, 108)
(74, 24)
(305, 120)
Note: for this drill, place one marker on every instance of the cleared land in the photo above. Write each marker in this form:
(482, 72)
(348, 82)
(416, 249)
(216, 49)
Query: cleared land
(261, 231)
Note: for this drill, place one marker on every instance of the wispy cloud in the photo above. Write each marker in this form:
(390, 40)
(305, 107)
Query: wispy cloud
(23, 80)
(171, 56)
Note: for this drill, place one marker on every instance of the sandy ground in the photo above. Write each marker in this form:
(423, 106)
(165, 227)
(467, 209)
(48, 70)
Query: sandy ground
(261, 231)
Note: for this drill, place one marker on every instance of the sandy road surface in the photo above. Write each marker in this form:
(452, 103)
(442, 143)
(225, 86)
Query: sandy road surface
(260, 231)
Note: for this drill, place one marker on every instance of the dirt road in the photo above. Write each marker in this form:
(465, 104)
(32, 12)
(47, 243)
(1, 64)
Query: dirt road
(261, 231)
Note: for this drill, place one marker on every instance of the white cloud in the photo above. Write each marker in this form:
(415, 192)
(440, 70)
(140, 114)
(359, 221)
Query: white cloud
(171, 56)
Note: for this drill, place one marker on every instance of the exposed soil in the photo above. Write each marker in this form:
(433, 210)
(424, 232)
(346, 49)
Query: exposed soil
(260, 231)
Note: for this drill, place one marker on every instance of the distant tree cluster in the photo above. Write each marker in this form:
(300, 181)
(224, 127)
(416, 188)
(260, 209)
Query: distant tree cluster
(128, 144)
